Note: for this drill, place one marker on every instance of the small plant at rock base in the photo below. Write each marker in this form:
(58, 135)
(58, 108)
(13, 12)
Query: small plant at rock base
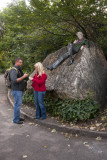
(28, 97)
(72, 110)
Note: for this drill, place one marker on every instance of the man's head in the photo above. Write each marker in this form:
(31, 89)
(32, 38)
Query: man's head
(18, 62)
(79, 35)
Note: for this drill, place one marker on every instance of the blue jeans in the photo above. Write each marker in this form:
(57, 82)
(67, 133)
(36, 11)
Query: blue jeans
(40, 107)
(17, 95)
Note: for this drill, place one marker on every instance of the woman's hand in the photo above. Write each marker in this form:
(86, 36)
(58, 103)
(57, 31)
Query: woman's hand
(75, 41)
(82, 47)
(30, 78)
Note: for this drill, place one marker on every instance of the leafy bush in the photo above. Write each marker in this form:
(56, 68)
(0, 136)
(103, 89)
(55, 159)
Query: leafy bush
(72, 110)
(68, 110)
(28, 97)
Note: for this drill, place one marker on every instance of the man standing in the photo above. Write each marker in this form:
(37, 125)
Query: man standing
(17, 87)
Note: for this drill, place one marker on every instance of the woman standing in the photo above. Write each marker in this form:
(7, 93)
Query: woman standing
(39, 90)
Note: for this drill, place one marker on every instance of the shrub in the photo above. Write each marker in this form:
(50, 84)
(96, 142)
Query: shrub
(68, 110)
(72, 110)
(28, 97)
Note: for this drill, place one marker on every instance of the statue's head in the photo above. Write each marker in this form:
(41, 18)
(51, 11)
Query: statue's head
(79, 35)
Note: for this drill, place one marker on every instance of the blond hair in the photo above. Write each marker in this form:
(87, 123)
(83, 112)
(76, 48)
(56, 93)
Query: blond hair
(40, 68)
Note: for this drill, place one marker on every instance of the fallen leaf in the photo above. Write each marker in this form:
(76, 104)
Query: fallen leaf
(105, 124)
(99, 138)
(103, 118)
(21, 125)
(98, 124)
(12, 134)
(2, 101)
(45, 146)
(24, 156)
(53, 130)
(85, 142)
(9, 109)
(76, 126)
(92, 128)
(27, 135)
(66, 134)
(30, 123)
(103, 129)
(87, 145)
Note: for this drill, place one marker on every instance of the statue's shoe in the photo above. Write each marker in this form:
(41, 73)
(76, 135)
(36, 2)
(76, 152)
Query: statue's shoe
(70, 62)
(50, 67)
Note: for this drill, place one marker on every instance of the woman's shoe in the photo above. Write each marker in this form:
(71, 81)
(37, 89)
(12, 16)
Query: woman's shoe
(19, 122)
(36, 118)
(42, 118)
(22, 119)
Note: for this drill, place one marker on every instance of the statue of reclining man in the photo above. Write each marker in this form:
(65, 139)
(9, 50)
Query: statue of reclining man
(72, 49)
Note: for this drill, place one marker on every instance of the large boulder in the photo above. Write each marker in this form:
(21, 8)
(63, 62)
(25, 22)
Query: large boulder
(87, 74)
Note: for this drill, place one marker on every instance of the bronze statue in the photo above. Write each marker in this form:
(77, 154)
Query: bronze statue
(73, 48)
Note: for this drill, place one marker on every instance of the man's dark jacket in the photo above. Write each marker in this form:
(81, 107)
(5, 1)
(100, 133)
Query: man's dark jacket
(14, 74)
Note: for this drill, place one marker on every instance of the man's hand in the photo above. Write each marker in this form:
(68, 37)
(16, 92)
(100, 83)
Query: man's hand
(30, 78)
(25, 75)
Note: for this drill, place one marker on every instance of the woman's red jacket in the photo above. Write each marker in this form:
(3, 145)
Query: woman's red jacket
(39, 82)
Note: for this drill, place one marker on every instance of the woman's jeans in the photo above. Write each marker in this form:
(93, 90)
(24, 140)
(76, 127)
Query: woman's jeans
(17, 95)
(40, 107)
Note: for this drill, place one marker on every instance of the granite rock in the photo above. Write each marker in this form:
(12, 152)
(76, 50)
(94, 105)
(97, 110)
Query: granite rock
(87, 75)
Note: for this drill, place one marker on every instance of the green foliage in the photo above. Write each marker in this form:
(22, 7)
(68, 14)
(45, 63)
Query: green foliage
(66, 17)
(22, 38)
(28, 97)
(72, 110)
(32, 32)
(68, 110)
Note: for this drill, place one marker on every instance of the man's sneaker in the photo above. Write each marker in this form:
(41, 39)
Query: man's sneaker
(19, 122)
(22, 119)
